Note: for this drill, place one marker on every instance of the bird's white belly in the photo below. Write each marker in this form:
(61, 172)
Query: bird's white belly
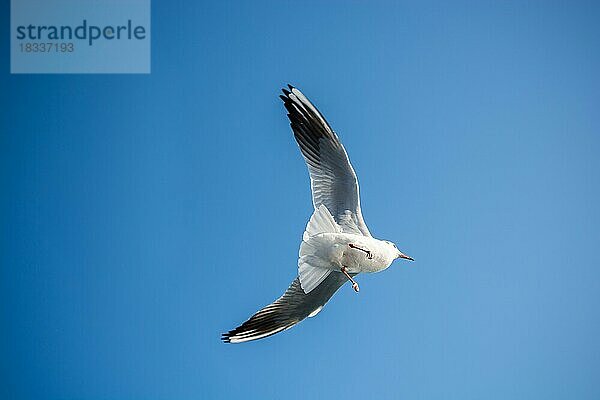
(336, 250)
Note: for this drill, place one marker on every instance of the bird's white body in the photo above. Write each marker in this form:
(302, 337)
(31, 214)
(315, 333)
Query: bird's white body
(335, 252)
(326, 248)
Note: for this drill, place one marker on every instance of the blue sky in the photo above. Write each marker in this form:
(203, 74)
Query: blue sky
(143, 215)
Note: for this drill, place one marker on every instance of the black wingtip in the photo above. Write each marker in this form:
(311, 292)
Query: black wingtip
(291, 87)
(225, 337)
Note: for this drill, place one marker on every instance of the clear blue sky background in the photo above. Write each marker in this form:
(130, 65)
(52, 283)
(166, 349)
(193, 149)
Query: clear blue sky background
(144, 215)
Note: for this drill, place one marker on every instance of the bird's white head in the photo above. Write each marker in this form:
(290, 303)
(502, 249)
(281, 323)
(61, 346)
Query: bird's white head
(397, 253)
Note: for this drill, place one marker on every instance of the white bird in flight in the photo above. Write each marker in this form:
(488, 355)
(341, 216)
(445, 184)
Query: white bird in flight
(336, 245)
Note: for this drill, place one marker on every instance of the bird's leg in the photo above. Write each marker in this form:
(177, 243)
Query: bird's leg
(354, 284)
(369, 254)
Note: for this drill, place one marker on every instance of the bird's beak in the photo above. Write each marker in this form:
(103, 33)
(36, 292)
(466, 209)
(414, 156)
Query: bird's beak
(402, 255)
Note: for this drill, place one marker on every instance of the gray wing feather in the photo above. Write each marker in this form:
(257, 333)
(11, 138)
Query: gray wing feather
(333, 180)
(287, 311)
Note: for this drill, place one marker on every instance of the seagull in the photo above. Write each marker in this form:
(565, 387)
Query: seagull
(336, 245)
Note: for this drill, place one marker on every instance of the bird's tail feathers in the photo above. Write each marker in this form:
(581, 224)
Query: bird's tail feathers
(312, 269)
(320, 222)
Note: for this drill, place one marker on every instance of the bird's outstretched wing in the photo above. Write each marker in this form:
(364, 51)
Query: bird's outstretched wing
(287, 311)
(332, 178)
